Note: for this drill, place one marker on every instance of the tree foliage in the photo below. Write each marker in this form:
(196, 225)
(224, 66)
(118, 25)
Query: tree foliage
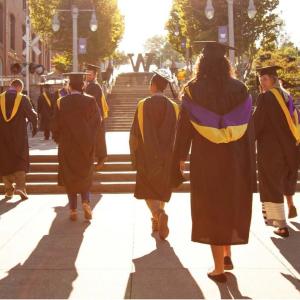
(163, 50)
(100, 44)
(189, 17)
(286, 56)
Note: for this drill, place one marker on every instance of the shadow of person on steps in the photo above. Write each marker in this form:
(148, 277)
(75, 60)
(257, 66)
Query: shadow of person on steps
(160, 275)
(50, 270)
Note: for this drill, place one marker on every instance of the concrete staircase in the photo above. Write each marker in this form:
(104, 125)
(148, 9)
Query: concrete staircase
(116, 176)
(128, 90)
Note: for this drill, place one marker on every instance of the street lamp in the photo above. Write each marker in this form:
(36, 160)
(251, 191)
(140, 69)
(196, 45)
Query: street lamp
(209, 12)
(75, 13)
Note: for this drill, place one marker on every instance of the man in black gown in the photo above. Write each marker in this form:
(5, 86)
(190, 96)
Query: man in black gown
(151, 143)
(16, 110)
(46, 109)
(75, 126)
(94, 89)
(278, 136)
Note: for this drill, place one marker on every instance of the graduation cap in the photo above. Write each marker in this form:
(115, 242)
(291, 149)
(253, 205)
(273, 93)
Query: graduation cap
(92, 67)
(214, 49)
(269, 70)
(165, 74)
(76, 77)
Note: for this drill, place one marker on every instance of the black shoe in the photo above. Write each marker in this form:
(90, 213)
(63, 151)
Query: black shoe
(283, 232)
(292, 212)
(221, 278)
(228, 265)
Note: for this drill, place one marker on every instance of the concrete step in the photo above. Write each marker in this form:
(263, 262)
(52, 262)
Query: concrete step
(105, 188)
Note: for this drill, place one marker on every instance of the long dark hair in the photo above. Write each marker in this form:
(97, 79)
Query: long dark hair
(215, 71)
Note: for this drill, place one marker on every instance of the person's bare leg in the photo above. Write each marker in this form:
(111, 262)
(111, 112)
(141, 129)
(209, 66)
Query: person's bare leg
(227, 251)
(154, 207)
(218, 256)
(290, 201)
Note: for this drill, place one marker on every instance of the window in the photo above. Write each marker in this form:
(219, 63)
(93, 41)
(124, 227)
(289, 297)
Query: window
(12, 32)
(1, 23)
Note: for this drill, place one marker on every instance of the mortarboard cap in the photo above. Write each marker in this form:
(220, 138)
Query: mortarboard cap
(76, 77)
(165, 74)
(213, 48)
(92, 67)
(269, 70)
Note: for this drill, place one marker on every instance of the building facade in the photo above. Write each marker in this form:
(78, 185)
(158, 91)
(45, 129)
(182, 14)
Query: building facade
(12, 30)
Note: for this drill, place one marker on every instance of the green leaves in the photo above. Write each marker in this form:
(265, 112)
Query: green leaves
(100, 44)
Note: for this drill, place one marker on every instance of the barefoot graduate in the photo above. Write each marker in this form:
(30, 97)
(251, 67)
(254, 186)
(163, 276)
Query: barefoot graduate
(151, 143)
(76, 123)
(215, 122)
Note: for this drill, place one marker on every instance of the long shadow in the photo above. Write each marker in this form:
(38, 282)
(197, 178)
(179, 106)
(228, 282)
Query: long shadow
(6, 206)
(50, 270)
(289, 248)
(160, 275)
(230, 290)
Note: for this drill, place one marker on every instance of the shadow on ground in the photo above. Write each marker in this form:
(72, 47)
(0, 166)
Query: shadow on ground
(6, 205)
(289, 249)
(50, 269)
(160, 275)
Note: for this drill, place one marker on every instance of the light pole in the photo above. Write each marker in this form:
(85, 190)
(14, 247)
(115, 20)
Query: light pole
(209, 12)
(75, 14)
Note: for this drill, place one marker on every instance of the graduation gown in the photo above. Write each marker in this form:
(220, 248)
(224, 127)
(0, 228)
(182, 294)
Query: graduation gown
(277, 152)
(94, 89)
(75, 126)
(45, 110)
(151, 143)
(14, 149)
(222, 160)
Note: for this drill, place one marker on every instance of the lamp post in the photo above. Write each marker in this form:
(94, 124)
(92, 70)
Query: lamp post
(75, 14)
(209, 12)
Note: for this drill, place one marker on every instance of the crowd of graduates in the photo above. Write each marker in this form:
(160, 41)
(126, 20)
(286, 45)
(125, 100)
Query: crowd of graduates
(229, 145)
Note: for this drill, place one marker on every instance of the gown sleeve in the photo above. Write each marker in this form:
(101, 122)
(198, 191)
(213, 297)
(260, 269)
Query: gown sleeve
(259, 116)
(183, 140)
(134, 140)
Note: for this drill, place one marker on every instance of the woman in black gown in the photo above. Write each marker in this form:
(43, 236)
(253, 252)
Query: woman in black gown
(215, 121)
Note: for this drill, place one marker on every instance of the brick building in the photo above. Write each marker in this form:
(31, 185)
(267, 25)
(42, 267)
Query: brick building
(12, 29)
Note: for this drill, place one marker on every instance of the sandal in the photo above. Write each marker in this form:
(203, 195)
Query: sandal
(220, 278)
(283, 232)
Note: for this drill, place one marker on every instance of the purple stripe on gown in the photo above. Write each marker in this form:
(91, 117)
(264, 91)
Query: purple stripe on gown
(240, 115)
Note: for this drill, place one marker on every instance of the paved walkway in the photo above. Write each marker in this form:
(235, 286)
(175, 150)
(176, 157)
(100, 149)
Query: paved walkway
(117, 143)
(44, 255)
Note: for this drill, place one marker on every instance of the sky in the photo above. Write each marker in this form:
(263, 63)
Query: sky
(146, 18)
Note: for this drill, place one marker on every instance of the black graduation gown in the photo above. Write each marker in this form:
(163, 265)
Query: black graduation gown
(75, 126)
(94, 89)
(151, 157)
(277, 152)
(222, 176)
(45, 111)
(14, 149)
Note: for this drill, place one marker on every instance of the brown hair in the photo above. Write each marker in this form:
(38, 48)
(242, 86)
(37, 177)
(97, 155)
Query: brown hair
(17, 83)
(160, 83)
(215, 70)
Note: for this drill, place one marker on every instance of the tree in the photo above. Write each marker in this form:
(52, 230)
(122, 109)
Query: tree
(100, 44)
(163, 50)
(286, 56)
(188, 20)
